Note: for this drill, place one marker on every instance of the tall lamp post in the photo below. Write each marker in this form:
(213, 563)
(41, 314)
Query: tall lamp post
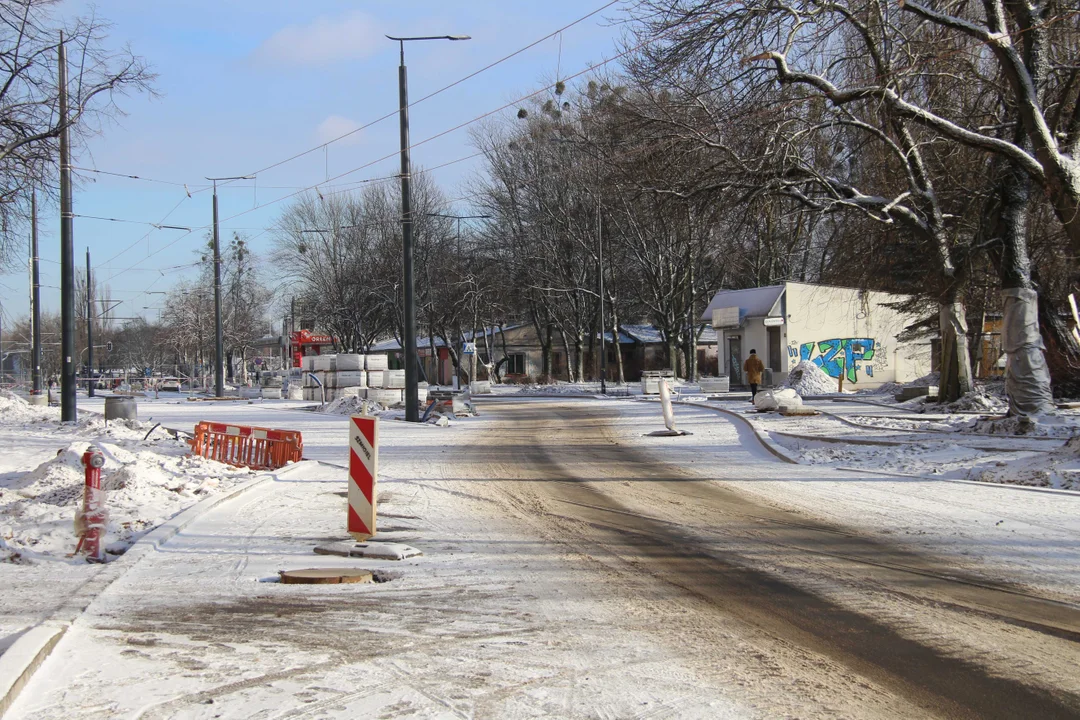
(219, 341)
(412, 394)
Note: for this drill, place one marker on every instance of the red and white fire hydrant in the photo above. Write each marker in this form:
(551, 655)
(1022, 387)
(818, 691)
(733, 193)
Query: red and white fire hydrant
(90, 521)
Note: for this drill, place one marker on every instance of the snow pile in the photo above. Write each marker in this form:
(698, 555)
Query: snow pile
(930, 379)
(360, 406)
(978, 401)
(1058, 469)
(1063, 424)
(806, 378)
(14, 410)
(889, 388)
(145, 482)
(561, 389)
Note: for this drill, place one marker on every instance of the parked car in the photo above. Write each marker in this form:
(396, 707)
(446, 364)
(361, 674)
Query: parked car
(170, 384)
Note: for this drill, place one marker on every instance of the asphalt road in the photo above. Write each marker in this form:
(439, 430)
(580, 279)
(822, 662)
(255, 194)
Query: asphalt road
(571, 569)
(792, 581)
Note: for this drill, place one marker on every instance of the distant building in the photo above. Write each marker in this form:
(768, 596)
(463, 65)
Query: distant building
(517, 350)
(842, 330)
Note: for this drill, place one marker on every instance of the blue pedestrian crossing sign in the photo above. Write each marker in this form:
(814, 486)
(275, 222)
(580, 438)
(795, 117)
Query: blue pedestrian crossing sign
(468, 349)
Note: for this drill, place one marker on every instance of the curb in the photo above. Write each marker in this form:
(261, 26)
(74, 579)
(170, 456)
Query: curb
(23, 658)
(766, 443)
(775, 450)
(19, 662)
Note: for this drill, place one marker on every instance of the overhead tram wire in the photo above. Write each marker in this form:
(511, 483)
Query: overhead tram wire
(395, 154)
(391, 114)
(468, 77)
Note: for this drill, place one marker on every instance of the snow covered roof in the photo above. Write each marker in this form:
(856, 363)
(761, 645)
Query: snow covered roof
(752, 302)
(648, 334)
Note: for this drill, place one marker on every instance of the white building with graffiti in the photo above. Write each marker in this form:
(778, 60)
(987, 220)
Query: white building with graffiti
(842, 330)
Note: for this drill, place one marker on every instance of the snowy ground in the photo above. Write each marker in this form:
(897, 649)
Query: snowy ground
(867, 433)
(489, 622)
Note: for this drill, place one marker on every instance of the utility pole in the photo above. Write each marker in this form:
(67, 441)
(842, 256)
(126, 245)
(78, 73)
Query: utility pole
(600, 272)
(219, 342)
(412, 392)
(35, 298)
(67, 256)
(89, 328)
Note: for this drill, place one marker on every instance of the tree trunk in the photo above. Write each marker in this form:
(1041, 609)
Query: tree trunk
(1062, 351)
(618, 345)
(579, 356)
(566, 349)
(955, 359)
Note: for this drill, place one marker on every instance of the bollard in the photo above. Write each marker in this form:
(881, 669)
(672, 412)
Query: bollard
(91, 521)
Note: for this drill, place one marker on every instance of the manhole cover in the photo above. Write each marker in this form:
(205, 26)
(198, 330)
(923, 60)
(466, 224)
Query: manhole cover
(325, 576)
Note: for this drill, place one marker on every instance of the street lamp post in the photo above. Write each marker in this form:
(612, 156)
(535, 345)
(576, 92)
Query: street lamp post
(412, 393)
(219, 341)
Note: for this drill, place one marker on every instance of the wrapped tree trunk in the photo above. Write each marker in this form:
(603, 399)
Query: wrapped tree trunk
(955, 359)
(1062, 351)
(1027, 377)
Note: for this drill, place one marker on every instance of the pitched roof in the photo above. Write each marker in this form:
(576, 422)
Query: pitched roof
(752, 302)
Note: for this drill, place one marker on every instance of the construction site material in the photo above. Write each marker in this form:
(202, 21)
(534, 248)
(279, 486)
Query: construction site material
(386, 396)
(349, 361)
(480, 387)
(324, 363)
(307, 363)
(245, 446)
(325, 576)
(650, 381)
(363, 475)
(271, 393)
(711, 385)
(121, 407)
(393, 379)
(349, 378)
(375, 362)
(910, 393)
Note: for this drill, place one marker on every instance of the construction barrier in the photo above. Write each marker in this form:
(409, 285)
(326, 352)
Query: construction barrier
(363, 472)
(243, 446)
(90, 521)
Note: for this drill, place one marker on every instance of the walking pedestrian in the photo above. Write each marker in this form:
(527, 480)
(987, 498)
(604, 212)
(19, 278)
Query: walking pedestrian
(753, 367)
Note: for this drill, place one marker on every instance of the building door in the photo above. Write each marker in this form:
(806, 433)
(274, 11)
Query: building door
(735, 360)
(775, 358)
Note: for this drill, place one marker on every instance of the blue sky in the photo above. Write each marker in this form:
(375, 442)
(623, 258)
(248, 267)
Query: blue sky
(247, 83)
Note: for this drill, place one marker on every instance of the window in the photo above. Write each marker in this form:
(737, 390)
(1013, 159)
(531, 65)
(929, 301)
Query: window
(515, 364)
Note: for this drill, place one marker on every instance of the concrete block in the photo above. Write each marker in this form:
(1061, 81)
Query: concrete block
(271, 393)
(386, 396)
(322, 363)
(357, 392)
(376, 362)
(349, 361)
(713, 385)
(910, 393)
(393, 379)
(350, 378)
(307, 363)
(480, 387)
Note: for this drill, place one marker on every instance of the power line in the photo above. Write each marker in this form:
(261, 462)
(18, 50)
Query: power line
(440, 90)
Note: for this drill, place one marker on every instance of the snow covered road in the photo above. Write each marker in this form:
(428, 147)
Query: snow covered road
(574, 568)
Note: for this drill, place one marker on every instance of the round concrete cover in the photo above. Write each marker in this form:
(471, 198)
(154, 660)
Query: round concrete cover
(325, 576)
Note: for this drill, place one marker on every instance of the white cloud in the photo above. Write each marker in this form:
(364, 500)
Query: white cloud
(323, 41)
(334, 127)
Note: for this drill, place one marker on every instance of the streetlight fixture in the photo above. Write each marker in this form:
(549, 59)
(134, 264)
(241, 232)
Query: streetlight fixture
(219, 342)
(412, 394)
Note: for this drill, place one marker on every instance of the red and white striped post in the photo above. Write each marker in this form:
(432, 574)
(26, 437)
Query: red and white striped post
(363, 471)
(93, 512)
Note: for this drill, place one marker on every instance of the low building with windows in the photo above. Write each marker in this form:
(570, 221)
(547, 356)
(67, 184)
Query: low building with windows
(518, 354)
(845, 331)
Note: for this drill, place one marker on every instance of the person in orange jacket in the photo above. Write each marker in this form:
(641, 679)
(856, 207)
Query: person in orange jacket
(753, 368)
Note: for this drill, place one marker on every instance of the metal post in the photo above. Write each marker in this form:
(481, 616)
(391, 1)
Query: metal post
(600, 245)
(35, 297)
(67, 256)
(219, 337)
(412, 393)
(89, 328)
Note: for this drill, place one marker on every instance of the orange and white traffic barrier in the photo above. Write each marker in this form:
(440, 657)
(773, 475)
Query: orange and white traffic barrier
(363, 471)
(90, 521)
(244, 446)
